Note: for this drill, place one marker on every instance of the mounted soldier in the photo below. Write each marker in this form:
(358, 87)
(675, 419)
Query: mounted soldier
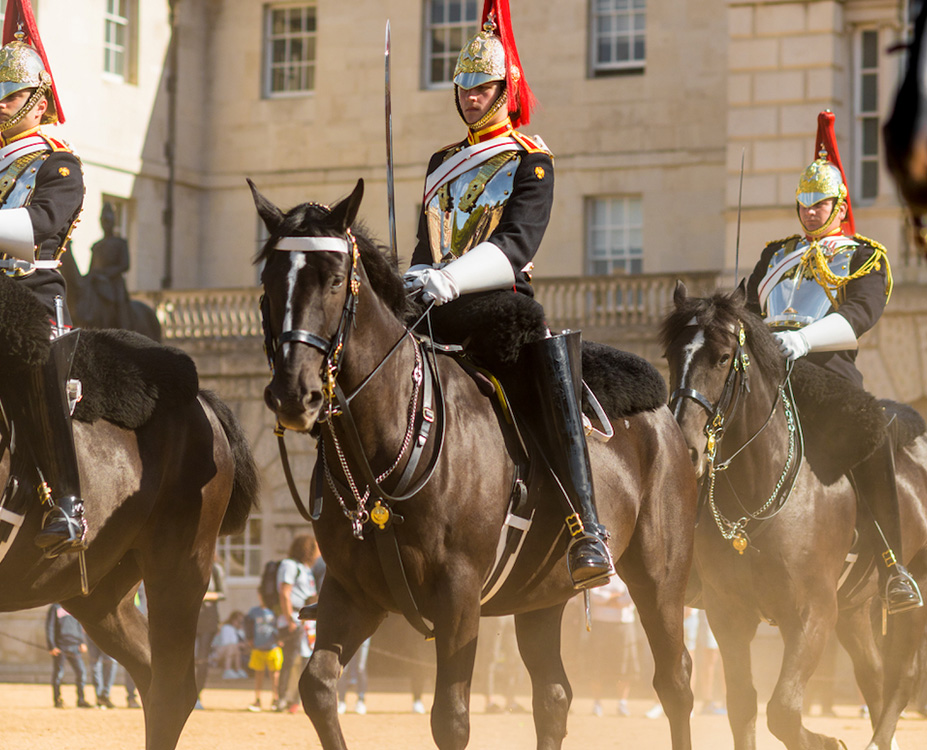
(41, 195)
(820, 291)
(486, 207)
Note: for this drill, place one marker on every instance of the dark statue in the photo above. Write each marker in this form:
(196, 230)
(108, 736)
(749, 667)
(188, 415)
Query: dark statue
(100, 299)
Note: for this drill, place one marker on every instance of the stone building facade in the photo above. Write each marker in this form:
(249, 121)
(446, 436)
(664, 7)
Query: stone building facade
(171, 132)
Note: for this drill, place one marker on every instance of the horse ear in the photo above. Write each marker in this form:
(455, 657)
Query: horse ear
(740, 293)
(680, 293)
(345, 212)
(269, 213)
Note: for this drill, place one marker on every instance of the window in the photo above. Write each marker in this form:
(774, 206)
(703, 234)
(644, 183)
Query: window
(240, 555)
(866, 110)
(289, 49)
(119, 39)
(614, 235)
(448, 26)
(617, 29)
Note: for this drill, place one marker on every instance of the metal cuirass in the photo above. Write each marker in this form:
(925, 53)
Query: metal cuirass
(464, 212)
(797, 299)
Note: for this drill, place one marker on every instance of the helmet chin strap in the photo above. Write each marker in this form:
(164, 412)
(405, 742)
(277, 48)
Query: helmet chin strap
(501, 100)
(33, 99)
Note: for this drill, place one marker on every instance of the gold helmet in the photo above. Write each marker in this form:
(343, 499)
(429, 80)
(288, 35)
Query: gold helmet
(24, 65)
(482, 59)
(22, 68)
(820, 180)
(823, 179)
(491, 55)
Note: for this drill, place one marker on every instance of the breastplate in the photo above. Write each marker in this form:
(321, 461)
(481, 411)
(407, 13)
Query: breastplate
(17, 182)
(797, 299)
(465, 212)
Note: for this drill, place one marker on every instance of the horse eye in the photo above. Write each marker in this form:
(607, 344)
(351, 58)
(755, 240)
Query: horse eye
(337, 282)
(724, 359)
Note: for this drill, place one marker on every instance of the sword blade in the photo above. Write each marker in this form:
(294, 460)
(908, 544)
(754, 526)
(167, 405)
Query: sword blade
(390, 189)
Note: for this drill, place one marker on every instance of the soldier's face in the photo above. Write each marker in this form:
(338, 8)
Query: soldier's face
(476, 102)
(818, 216)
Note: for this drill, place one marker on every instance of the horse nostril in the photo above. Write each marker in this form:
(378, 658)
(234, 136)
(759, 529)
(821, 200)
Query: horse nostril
(270, 400)
(694, 456)
(313, 400)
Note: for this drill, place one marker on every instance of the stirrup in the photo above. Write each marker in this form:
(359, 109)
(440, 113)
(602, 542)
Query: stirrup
(906, 594)
(598, 570)
(62, 533)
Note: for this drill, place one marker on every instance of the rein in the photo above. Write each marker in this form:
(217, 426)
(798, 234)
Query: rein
(719, 414)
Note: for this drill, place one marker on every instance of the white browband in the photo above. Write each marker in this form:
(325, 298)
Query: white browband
(314, 244)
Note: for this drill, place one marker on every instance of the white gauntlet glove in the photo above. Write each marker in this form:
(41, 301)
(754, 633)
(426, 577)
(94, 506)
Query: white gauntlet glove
(413, 278)
(438, 284)
(483, 268)
(793, 344)
(831, 333)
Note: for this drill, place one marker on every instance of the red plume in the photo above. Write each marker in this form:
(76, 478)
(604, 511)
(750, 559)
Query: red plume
(19, 14)
(521, 98)
(827, 140)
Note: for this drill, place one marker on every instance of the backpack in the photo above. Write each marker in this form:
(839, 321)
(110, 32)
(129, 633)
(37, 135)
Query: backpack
(268, 586)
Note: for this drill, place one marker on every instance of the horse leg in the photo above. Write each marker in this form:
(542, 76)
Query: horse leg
(111, 619)
(905, 633)
(175, 596)
(734, 628)
(805, 636)
(538, 636)
(660, 609)
(854, 629)
(456, 630)
(344, 624)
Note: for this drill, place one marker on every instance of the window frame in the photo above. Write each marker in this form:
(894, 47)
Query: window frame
(633, 65)
(865, 117)
(450, 57)
(249, 549)
(628, 255)
(128, 72)
(267, 54)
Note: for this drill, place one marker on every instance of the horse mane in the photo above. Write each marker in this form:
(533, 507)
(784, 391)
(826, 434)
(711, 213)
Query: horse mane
(717, 315)
(310, 219)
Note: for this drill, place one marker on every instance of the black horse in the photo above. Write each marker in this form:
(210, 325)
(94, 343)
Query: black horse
(772, 538)
(165, 469)
(334, 315)
(905, 133)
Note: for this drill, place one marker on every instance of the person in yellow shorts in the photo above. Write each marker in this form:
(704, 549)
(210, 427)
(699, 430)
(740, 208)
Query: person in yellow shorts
(266, 654)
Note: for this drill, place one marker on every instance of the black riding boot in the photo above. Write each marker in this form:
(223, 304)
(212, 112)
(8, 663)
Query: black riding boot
(875, 483)
(42, 419)
(555, 368)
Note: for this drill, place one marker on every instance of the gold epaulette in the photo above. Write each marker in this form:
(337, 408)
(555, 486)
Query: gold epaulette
(56, 145)
(530, 145)
(873, 243)
(784, 240)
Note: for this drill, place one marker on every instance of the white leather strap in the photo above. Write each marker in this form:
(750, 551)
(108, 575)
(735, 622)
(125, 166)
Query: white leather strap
(314, 244)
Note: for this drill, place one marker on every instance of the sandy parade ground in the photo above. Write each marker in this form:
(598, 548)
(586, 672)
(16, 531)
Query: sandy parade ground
(28, 721)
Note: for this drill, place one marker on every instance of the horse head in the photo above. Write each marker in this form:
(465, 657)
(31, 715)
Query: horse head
(905, 134)
(310, 295)
(705, 345)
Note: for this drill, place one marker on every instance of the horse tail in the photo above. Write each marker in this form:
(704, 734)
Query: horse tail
(245, 483)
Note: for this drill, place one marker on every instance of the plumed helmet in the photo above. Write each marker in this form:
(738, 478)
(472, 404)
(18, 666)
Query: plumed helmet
(491, 55)
(23, 62)
(21, 68)
(824, 177)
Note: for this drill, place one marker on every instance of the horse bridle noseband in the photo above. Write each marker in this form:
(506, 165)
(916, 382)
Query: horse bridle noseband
(736, 385)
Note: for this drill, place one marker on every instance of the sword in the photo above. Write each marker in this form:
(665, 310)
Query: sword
(740, 203)
(390, 191)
